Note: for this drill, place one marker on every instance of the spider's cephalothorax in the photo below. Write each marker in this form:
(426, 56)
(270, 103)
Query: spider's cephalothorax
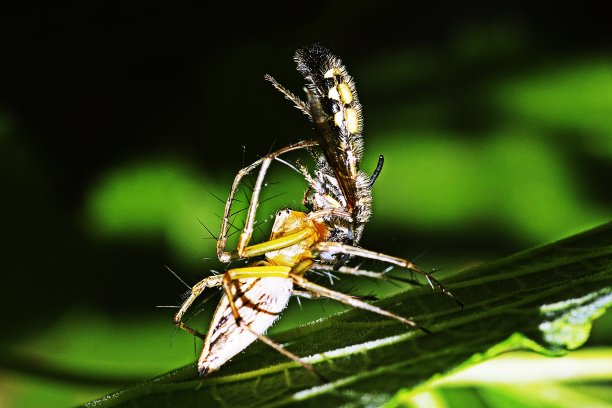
(339, 193)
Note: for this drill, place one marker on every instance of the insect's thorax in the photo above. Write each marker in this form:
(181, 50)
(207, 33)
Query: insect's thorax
(289, 222)
(344, 219)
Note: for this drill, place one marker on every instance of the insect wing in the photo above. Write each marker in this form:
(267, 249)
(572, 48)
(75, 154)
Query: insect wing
(336, 114)
(259, 302)
(337, 158)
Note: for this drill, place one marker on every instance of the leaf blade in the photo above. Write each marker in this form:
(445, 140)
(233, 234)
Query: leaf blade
(532, 300)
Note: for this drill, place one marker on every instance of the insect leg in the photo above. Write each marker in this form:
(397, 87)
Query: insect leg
(301, 105)
(245, 236)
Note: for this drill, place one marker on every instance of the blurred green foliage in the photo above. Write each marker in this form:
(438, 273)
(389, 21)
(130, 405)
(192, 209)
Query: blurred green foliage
(160, 198)
(573, 97)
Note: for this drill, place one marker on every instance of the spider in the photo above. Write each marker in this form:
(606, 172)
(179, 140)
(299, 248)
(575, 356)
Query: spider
(338, 200)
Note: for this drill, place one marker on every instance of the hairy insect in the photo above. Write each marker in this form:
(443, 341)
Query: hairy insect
(338, 199)
(339, 193)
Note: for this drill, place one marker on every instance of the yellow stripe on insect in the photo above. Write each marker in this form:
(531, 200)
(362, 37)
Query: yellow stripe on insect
(338, 118)
(350, 119)
(345, 93)
(332, 73)
(333, 94)
(341, 93)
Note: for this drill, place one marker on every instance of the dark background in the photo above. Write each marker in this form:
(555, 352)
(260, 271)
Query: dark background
(148, 107)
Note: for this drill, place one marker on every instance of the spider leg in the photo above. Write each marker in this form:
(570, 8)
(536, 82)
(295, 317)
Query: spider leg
(196, 290)
(328, 249)
(350, 300)
(245, 236)
(356, 271)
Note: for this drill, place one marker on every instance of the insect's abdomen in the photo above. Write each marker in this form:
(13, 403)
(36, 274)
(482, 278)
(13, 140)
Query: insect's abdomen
(327, 78)
(260, 302)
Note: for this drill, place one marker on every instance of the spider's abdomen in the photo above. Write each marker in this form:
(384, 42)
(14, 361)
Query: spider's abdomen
(260, 302)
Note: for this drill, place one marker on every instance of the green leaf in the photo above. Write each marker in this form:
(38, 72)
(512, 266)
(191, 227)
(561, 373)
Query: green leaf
(542, 300)
(577, 380)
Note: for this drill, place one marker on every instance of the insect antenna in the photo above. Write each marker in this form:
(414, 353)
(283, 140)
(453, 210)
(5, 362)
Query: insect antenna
(377, 170)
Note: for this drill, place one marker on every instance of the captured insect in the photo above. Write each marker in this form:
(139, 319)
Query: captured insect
(338, 199)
